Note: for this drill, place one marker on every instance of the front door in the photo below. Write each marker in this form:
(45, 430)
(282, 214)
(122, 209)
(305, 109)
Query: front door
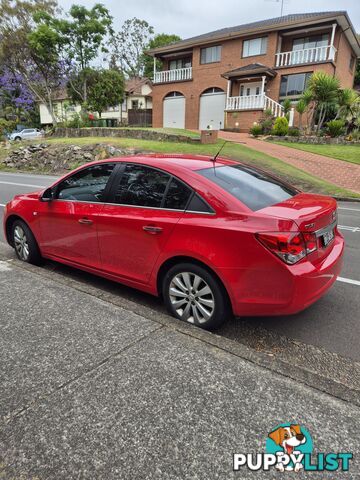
(250, 88)
(69, 222)
(146, 204)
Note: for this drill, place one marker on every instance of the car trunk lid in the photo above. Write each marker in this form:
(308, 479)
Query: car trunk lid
(311, 213)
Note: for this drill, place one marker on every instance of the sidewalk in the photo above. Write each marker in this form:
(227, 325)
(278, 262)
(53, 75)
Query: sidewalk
(90, 390)
(344, 174)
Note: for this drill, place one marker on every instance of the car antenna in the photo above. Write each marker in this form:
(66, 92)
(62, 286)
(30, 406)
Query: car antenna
(217, 154)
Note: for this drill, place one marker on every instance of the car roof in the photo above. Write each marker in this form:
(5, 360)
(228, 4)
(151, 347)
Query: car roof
(175, 161)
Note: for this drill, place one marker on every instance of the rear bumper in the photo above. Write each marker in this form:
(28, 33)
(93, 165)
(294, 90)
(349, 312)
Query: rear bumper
(283, 289)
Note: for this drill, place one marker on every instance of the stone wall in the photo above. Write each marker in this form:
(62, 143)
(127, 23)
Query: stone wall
(123, 133)
(61, 158)
(314, 140)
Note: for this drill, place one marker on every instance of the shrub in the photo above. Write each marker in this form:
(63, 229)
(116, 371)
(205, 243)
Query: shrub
(335, 128)
(256, 130)
(281, 126)
(293, 132)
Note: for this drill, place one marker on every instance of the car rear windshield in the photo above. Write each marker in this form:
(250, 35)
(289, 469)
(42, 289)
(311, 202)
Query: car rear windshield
(252, 187)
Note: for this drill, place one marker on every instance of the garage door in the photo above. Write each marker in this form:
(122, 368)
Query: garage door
(212, 106)
(174, 111)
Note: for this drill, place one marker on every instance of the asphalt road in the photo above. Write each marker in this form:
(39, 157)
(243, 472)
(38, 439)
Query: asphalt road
(333, 323)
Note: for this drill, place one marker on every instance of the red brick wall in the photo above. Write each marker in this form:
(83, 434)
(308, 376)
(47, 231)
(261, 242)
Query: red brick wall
(242, 121)
(207, 76)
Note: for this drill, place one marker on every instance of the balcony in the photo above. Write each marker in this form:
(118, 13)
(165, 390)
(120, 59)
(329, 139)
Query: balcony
(255, 102)
(307, 55)
(175, 75)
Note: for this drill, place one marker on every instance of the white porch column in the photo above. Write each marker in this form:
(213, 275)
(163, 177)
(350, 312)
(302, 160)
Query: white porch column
(154, 67)
(263, 85)
(333, 34)
(228, 88)
(331, 54)
(228, 92)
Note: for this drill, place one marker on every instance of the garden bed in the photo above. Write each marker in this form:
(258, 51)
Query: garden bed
(313, 140)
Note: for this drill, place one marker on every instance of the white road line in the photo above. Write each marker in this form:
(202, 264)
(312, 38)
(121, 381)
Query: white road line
(352, 209)
(348, 280)
(23, 184)
(349, 229)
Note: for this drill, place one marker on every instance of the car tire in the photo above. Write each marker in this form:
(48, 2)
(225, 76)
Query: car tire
(25, 244)
(17, 139)
(195, 295)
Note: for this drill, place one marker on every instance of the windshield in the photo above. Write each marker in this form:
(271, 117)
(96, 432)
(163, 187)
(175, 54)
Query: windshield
(253, 188)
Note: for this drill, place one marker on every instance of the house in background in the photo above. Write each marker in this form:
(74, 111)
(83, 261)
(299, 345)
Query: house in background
(225, 79)
(136, 108)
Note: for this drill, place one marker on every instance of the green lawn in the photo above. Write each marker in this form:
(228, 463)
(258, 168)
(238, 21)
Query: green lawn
(235, 151)
(348, 153)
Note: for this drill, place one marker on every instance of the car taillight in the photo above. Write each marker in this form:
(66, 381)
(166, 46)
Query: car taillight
(289, 246)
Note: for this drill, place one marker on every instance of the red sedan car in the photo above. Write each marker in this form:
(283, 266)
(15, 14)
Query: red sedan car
(211, 237)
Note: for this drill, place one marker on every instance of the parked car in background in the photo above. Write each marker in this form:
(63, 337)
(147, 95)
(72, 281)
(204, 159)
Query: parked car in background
(26, 134)
(210, 237)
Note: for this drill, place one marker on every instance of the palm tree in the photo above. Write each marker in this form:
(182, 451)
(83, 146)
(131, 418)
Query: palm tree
(301, 106)
(349, 105)
(324, 91)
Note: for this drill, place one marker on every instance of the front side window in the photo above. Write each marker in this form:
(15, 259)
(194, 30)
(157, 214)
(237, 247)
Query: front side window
(253, 188)
(294, 85)
(210, 54)
(88, 185)
(256, 46)
(141, 186)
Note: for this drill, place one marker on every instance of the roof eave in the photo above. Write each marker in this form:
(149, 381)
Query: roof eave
(216, 38)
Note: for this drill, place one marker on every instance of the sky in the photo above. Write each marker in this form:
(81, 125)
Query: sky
(188, 18)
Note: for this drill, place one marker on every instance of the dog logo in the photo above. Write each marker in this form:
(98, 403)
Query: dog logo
(289, 447)
(289, 439)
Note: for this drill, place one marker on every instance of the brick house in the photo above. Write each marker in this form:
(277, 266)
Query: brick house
(225, 79)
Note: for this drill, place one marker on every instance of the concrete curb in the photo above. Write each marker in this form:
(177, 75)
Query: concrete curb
(348, 390)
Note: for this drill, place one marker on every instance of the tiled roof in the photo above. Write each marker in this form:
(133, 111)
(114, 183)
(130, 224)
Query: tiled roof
(251, 69)
(271, 22)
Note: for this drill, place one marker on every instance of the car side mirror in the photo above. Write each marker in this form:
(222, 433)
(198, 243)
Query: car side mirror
(47, 196)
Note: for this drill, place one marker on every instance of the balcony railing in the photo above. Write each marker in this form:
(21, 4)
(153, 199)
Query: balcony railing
(255, 102)
(307, 55)
(176, 75)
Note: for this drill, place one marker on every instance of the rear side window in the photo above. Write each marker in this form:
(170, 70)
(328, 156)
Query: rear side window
(177, 195)
(253, 188)
(141, 186)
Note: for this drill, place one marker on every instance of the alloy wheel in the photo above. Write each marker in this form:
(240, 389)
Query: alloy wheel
(191, 297)
(21, 243)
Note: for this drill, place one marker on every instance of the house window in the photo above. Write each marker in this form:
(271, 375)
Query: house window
(179, 63)
(294, 85)
(242, 91)
(210, 54)
(311, 42)
(352, 62)
(134, 104)
(256, 46)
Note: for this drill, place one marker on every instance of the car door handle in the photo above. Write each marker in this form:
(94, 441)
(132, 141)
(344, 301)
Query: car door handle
(85, 221)
(152, 229)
